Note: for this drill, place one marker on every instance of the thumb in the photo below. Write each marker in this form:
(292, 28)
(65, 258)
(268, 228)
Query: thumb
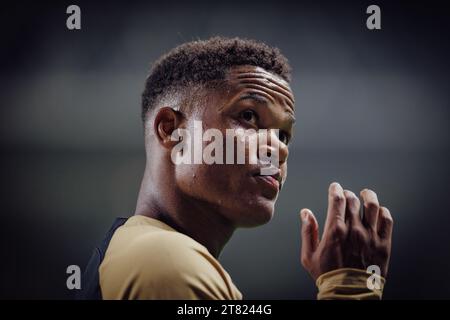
(310, 233)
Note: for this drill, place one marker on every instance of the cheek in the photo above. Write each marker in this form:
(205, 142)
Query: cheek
(208, 182)
(228, 187)
(186, 177)
(223, 185)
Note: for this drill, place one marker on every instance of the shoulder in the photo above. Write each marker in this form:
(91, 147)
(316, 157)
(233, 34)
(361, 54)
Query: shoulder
(163, 264)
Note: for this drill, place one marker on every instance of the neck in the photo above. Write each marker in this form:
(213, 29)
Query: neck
(201, 221)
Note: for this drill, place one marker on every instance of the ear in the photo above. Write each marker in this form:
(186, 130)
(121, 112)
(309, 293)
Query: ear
(167, 120)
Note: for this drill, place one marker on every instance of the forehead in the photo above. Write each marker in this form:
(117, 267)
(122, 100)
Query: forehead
(259, 81)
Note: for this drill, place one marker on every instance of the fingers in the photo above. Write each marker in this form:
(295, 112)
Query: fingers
(353, 206)
(348, 239)
(371, 208)
(336, 207)
(358, 233)
(310, 234)
(385, 223)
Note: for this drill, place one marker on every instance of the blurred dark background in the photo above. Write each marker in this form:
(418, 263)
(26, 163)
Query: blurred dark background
(372, 109)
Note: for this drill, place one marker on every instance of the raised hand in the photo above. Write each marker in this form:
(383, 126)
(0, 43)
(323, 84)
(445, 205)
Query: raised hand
(348, 240)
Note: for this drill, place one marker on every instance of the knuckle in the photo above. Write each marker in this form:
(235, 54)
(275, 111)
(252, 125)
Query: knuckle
(350, 196)
(388, 221)
(337, 198)
(339, 230)
(371, 205)
(353, 203)
(387, 216)
(360, 235)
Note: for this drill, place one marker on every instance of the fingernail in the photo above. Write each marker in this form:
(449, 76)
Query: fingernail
(304, 215)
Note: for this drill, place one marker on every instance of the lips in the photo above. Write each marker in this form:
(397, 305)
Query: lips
(271, 183)
(270, 180)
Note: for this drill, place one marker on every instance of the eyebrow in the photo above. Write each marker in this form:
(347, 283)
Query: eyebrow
(261, 99)
(253, 96)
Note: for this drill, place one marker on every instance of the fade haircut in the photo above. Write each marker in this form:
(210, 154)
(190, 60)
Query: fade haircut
(204, 61)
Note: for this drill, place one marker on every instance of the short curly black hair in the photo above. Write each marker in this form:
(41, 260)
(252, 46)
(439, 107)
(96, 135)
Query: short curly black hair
(202, 61)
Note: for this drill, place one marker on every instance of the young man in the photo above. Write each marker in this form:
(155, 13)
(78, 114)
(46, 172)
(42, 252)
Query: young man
(187, 211)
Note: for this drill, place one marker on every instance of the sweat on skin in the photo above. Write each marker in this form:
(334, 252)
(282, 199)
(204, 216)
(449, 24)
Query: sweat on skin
(187, 212)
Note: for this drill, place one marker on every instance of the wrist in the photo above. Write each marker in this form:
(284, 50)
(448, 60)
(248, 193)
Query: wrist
(350, 283)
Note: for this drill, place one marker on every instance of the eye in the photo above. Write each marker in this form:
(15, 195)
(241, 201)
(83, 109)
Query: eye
(249, 116)
(284, 137)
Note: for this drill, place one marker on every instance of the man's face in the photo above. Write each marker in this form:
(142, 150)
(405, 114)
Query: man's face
(254, 99)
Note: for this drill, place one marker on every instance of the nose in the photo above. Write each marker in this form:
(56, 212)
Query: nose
(275, 147)
(284, 151)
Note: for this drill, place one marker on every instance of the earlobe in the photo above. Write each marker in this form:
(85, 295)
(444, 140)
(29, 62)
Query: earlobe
(167, 120)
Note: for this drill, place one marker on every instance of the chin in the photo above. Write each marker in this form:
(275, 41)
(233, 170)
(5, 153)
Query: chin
(256, 212)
